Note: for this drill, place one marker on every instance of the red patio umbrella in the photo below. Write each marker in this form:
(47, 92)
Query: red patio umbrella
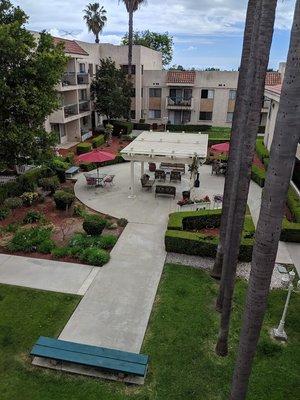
(221, 148)
(96, 157)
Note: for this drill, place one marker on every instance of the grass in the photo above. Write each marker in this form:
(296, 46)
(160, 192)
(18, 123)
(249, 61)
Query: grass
(180, 340)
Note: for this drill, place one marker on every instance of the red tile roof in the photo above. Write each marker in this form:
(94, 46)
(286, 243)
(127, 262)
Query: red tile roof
(181, 77)
(71, 46)
(273, 78)
(275, 89)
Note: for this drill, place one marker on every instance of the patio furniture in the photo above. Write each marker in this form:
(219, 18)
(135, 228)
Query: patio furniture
(71, 172)
(165, 190)
(152, 167)
(170, 166)
(146, 182)
(105, 359)
(108, 180)
(160, 175)
(91, 181)
(175, 176)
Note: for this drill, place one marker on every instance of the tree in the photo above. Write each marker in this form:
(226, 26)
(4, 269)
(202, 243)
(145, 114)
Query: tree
(282, 156)
(29, 71)
(111, 90)
(241, 181)
(95, 18)
(162, 42)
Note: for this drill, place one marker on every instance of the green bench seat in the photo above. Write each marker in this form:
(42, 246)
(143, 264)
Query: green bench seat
(108, 360)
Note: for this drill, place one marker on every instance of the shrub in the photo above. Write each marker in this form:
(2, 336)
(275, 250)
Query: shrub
(94, 224)
(93, 256)
(31, 239)
(13, 202)
(60, 252)
(209, 219)
(33, 216)
(9, 189)
(50, 184)
(4, 213)
(261, 150)
(188, 128)
(59, 166)
(258, 175)
(79, 211)
(290, 231)
(28, 181)
(141, 126)
(123, 127)
(83, 148)
(107, 241)
(98, 141)
(46, 246)
(87, 166)
(63, 199)
(29, 198)
(70, 158)
(122, 222)
(293, 202)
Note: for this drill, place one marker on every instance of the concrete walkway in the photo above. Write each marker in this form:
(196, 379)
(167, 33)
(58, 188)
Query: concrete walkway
(46, 274)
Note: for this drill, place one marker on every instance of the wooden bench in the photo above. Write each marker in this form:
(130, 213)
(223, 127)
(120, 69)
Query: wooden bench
(165, 190)
(170, 166)
(107, 360)
(71, 171)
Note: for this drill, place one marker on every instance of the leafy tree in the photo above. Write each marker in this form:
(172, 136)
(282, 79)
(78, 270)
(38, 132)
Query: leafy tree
(95, 18)
(162, 42)
(29, 71)
(111, 90)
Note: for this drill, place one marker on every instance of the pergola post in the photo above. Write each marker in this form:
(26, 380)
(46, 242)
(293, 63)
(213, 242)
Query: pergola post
(132, 195)
(142, 168)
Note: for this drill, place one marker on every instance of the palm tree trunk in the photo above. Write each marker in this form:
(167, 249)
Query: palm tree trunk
(97, 38)
(239, 204)
(238, 132)
(130, 47)
(283, 150)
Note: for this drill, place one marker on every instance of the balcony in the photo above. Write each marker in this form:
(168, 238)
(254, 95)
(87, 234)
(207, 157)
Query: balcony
(70, 110)
(82, 78)
(84, 106)
(179, 103)
(68, 79)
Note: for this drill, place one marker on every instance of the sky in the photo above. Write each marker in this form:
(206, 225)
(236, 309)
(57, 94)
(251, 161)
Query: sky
(207, 33)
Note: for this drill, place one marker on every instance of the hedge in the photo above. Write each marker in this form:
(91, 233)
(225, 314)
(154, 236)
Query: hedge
(178, 240)
(188, 128)
(98, 141)
(290, 231)
(142, 127)
(261, 150)
(83, 148)
(258, 175)
(293, 203)
(119, 126)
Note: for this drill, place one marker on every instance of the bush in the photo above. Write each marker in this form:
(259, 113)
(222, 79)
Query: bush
(9, 189)
(141, 126)
(98, 141)
(4, 213)
(50, 184)
(87, 167)
(290, 231)
(29, 240)
(63, 199)
(93, 256)
(28, 182)
(13, 202)
(261, 150)
(258, 175)
(123, 127)
(94, 224)
(33, 216)
(60, 252)
(83, 148)
(293, 202)
(69, 158)
(188, 128)
(209, 219)
(79, 211)
(29, 198)
(122, 222)
(107, 242)
(59, 165)
(46, 246)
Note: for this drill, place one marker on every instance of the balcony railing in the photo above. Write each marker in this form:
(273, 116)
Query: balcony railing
(84, 105)
(179, 102)
(83, 78)
(70, 110)
(69, 78)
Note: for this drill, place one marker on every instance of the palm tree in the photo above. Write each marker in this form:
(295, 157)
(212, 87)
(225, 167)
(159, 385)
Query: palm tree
(95, 19)
(238, 204)
(282, 156)
(131, 6)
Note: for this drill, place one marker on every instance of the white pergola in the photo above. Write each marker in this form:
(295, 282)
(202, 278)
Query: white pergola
(173, 148)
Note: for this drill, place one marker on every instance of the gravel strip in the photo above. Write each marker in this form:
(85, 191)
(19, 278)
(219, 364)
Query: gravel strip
(205, 263)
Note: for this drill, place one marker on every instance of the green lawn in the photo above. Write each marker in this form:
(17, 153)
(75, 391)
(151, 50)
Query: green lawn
(180, 341)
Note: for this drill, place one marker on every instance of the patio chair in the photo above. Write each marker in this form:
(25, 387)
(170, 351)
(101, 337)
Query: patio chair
(146, 182)
(160, 175)
(91, 181)
(175, 176)
(108, 180)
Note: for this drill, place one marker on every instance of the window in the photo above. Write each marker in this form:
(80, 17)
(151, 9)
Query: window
(82, 68)
(132, 92)
(91, 69)
(186, 116)
(132, 114)
(154, 92)
(207, 94)
(229, 117)
(154, 114)
(205, 116)
(82, 94)
(125, 69)
(232, 94)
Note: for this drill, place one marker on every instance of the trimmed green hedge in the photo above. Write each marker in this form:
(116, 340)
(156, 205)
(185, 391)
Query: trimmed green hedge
(142, 126)
(290, 231)
(178, 240)
(188, 128)
(123, 127)
(98, 141)
(261, 150)
(84, 147)
(258, 175)
(293, 203)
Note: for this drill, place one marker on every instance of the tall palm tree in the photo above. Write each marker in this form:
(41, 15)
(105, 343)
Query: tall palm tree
(238, 204)
(282, 156)
(95, 18)
(131, 6)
